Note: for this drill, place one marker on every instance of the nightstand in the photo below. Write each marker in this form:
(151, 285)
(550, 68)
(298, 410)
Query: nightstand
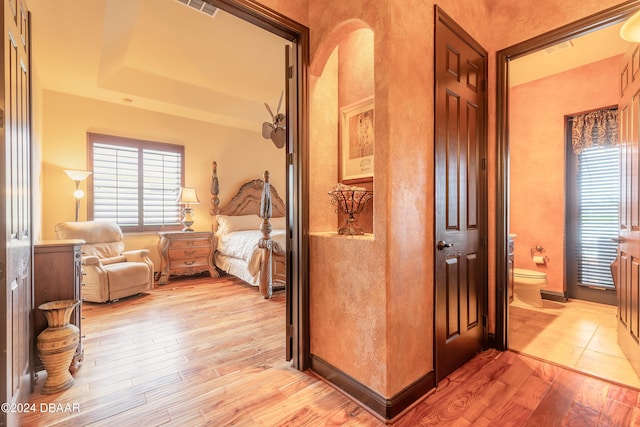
(185, 253)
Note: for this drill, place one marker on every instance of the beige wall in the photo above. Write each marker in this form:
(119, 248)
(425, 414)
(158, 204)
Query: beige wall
(538, 165)
(67, 119)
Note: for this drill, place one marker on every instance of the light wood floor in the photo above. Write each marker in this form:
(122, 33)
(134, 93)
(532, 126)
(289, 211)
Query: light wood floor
(577, 334)
(210, 352)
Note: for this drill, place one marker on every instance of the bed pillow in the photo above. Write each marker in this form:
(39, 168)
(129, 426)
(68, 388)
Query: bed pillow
(229, 223)
(279, 223)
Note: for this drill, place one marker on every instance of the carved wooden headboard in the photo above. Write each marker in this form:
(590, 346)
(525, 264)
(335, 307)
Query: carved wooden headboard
(246, 201)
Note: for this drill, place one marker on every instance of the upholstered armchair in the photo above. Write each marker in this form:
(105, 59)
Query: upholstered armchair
(109, 272)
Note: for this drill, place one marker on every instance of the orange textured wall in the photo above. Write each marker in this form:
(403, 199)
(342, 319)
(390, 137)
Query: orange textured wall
(355, 83)
(393, 326)
(538, 154)
(378, 293)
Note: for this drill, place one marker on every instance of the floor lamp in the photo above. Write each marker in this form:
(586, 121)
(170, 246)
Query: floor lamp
(77, 176)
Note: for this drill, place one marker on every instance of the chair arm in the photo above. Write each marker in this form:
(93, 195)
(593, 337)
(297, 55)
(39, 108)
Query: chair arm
(139, 255)
(91, 260)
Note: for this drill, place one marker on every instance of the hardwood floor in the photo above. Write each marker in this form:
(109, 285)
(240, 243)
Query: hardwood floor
(210, 352)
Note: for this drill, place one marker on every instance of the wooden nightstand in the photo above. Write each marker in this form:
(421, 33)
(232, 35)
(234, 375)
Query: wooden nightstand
(185, 253)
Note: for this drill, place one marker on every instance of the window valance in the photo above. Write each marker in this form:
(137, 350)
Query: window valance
(595, 128)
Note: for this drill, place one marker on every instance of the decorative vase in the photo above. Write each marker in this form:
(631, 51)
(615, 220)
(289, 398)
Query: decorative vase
(351, 201)
(57, 344)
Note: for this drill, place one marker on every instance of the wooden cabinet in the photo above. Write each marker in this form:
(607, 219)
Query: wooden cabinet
(57, 275)
(186, 253)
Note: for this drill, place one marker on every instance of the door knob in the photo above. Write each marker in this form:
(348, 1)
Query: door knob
(442, 244)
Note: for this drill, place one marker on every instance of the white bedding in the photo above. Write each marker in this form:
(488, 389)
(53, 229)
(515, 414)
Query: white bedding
(243, 246)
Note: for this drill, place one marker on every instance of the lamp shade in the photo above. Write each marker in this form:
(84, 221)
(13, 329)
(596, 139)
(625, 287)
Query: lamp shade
(630, 30)
(77, 175)
(187, 195)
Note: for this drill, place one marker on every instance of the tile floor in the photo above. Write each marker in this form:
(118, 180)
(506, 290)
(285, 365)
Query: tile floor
(577, 334)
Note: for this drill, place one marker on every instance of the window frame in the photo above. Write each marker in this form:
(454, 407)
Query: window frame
(572, 289)
(139, 144)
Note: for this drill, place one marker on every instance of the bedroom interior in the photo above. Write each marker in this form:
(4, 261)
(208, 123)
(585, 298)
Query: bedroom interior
(215, 111)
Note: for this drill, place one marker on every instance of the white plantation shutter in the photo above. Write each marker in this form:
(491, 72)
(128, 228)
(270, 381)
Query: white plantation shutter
(598, 193)
(162, 178)
(135, 183)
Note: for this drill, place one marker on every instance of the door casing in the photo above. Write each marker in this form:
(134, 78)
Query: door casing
(297, 181)
(583, 26)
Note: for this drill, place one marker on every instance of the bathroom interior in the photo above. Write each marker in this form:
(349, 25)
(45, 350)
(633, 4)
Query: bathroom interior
(562, 306)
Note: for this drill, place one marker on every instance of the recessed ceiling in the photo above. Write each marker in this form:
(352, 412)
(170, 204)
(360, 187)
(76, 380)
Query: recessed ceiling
(592, 47)
(160, 55)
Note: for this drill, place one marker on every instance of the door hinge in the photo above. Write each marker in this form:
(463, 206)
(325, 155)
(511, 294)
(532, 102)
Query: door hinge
(290, 72)
(290, 158)
(290, 331)
(483, 242)
(483, 164)
(484, 320)
(484, 85)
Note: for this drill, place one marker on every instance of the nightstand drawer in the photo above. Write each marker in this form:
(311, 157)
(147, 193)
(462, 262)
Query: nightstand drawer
(175, 264)
(189, 252)
(188, 243)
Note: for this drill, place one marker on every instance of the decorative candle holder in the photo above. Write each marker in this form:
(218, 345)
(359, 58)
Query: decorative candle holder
(350, 201)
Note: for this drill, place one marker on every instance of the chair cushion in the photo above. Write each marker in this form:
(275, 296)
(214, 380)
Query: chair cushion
(90, 231)
(126, 274)
(102, 238)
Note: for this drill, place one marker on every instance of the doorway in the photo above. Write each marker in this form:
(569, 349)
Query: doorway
(292, 163)
(505, 168)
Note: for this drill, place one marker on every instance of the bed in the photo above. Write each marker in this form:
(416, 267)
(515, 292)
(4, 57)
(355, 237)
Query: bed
(251, 234)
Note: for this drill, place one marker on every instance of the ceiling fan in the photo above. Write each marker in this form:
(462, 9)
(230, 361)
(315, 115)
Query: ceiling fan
(276, 129)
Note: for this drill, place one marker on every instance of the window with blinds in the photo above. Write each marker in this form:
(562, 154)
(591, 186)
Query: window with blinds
(135, 182)
(598, 193)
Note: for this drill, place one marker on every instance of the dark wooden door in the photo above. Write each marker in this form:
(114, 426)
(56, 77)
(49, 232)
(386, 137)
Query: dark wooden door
(15, 258)
(460, 177)
(628, 275)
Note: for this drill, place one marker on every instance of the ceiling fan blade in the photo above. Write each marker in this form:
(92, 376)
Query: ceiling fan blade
(269, 110)
(280, 102)
(266, 130)
(278, 136)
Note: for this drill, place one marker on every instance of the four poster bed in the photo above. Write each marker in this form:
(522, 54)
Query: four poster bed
(251, 233)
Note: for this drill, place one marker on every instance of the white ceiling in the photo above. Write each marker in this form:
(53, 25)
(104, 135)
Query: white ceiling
(159, 55)
(583, 50)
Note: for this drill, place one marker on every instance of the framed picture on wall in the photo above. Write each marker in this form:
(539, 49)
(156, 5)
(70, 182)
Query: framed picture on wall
(357, 138)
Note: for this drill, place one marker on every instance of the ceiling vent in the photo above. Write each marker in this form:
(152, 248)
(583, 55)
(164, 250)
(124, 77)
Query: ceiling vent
(201, 5)
(559, 47)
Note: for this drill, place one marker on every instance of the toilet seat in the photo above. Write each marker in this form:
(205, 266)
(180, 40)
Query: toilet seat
(529, 274)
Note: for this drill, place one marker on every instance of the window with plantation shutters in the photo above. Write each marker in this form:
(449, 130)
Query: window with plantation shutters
(598, 193)
(135, 183)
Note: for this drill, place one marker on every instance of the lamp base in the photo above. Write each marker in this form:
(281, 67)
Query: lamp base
(187, 219)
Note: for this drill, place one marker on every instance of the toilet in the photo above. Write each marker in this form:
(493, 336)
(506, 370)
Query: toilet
(527, 285)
